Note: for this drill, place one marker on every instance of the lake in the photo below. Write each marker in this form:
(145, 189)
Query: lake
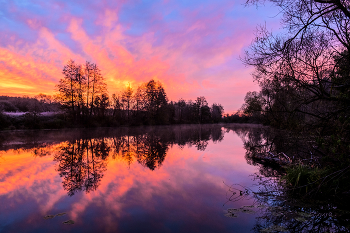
(189, 178)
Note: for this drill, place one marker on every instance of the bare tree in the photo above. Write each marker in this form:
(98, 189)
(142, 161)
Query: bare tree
(99, 86)
(67, 87)
(296, 70)
(127, 98)
(88, 71)
(80, 86)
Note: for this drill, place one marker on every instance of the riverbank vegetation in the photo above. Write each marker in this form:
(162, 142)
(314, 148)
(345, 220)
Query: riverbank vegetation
(304, 81)
(298, 194)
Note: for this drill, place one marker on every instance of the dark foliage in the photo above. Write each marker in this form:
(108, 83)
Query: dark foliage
(304, 78)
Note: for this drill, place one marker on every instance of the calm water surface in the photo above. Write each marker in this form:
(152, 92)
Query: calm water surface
(148, 179)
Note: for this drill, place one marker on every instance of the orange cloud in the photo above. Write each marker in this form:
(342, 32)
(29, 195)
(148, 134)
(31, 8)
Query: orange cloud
(191, 58)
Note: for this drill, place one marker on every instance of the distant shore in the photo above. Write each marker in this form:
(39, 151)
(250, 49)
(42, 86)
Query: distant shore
(17, 114)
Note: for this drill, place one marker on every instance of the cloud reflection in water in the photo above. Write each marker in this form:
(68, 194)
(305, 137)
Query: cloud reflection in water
(139, 179)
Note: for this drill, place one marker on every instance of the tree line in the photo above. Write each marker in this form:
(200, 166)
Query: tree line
(38, 103)
(82, 93)
(303, 74)
(32, 109)
(82, 100)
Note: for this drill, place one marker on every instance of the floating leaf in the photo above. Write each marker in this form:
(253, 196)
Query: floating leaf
(304, 214)
(233, 210)
(231, 215)
(49, 216)
(248, 211)
(68, 222)
(299, 219)
(60, 214)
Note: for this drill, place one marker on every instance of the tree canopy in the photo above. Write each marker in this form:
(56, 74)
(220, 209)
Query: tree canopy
(83, 95)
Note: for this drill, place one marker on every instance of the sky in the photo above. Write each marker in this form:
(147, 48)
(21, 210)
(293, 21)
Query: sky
(193, 47)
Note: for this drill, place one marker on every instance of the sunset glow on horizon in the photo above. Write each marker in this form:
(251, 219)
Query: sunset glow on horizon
(191, 47)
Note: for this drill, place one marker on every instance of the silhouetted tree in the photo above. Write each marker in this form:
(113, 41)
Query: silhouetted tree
(127, 99)
(296, 69)
(99, 86)
(117, 105)
(216, 112)
(81, 89)
(101, 104)
(67, 87)
(88, 72)
(155, 101)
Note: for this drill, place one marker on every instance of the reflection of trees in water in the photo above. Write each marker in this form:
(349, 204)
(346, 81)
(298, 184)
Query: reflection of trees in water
(284, 212)
(148, 149)
(280, 210)
(82, 162)
(197, 136)
(264, 142)
(152, 152)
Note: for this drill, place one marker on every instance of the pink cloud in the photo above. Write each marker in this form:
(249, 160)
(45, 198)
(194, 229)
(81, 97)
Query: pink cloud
(196, 56)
